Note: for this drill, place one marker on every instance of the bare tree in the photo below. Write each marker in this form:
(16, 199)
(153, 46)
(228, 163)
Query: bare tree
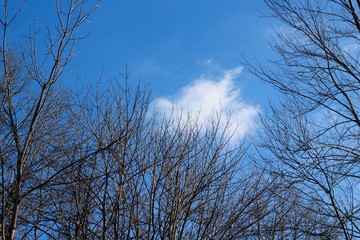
(163, 179)
(33, 133)
(313, 134)
(101, 164)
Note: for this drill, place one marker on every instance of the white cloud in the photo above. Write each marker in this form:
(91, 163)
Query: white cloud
(207, 97)
(209, 62)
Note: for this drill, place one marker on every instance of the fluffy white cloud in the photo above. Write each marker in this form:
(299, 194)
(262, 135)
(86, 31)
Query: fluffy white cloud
(207, 97)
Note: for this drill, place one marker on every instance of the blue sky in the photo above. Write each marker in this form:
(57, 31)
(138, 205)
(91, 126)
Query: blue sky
(187, 51)
(167, 42)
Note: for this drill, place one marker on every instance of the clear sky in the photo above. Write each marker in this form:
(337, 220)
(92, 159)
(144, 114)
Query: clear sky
(186, 50)
(170, 42)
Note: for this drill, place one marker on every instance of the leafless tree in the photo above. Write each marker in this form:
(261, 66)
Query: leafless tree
(102, 164)
(33, 139)
(163, 179)
(312, 136)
